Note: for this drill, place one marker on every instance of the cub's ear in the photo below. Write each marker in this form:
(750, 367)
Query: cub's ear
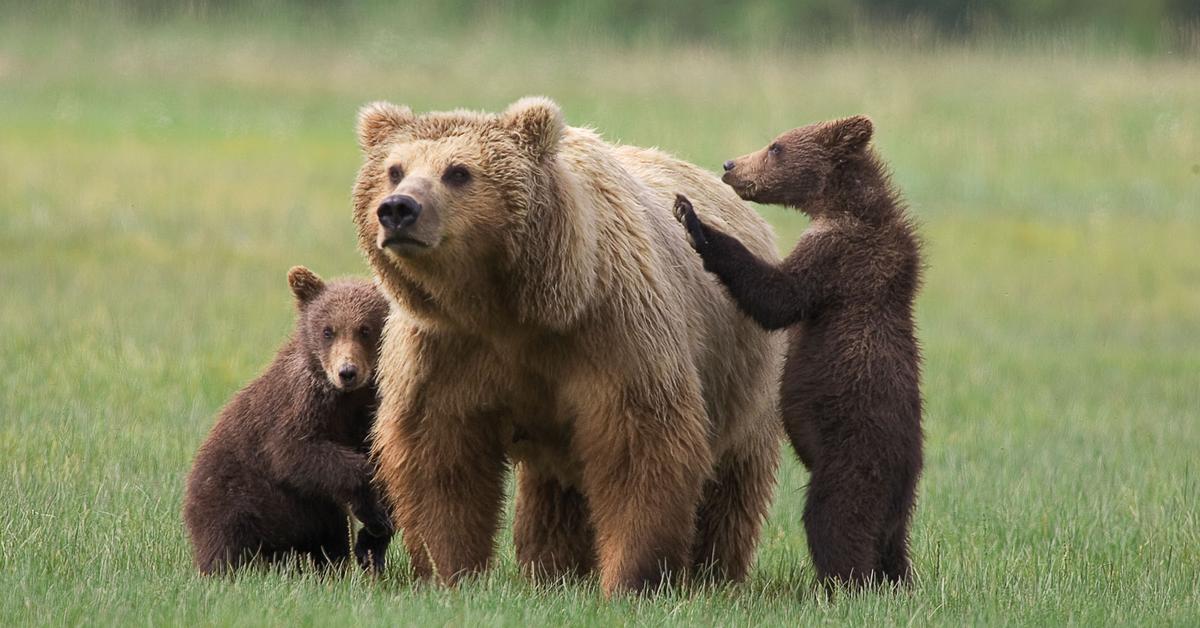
(850, 134)
(379, 119)
(538, 124)
(306, 285)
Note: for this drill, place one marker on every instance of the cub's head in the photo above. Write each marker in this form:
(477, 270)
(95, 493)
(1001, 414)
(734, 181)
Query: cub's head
(441, 189)
(339, 326)
(795, 169)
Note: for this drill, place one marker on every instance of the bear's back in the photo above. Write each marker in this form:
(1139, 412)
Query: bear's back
(234, 446)
(721, 205)
(632, 192)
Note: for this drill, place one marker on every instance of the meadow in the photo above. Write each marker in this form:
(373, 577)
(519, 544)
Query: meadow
(158, 180)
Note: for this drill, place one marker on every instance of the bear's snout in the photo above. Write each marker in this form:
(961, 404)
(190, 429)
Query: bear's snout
(728, 165)
(398, 212)
(347, 373)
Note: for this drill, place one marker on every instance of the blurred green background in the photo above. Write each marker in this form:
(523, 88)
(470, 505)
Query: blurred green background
(163, 165)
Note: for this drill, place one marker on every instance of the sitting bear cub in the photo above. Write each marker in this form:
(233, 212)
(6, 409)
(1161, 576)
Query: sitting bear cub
(850, 390)
(289, 454)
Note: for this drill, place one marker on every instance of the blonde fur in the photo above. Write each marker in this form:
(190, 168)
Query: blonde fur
(563, 323)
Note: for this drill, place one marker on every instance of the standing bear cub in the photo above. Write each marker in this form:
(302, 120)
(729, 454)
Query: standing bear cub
(289, 453)
(850, 391)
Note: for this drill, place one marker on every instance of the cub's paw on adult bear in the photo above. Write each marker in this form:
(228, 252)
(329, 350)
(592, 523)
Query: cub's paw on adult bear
(686, 215)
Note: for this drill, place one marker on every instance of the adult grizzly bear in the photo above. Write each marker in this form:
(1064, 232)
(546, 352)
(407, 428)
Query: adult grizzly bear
(553, 315)
(850, 392)
(288, 456)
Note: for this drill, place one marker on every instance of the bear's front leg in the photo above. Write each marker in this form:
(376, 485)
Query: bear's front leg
(693, 227)
(775, 298)
(371, 546)
(645, 454)
(445, 475)
(370, 550)
(440, 457)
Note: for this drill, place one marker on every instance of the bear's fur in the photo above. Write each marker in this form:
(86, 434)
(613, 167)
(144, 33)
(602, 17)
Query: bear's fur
(289, 455)
(553, 316)
(850, 391)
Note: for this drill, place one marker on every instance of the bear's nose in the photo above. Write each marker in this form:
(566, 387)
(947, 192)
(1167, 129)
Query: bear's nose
(347, 373)
(728, 165)
(398, 211)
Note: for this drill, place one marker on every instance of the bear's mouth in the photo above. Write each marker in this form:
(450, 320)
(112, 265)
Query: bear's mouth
(744, 189)
(402, 243)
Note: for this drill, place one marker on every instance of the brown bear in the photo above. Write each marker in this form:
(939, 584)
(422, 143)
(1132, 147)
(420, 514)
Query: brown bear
(850, 391)
(552, 316)
(289, 453)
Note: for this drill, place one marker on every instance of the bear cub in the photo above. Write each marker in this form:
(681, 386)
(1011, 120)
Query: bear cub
(289, 455)
(850, 389)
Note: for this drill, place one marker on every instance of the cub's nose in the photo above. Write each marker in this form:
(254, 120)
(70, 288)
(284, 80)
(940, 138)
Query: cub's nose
(347, 373)
(398, 211)
(728, 165)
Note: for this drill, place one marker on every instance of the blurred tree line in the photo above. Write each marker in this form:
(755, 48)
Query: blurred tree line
(1143, 24)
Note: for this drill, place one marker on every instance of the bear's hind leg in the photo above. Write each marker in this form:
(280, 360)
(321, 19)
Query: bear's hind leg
(332, 547)
(732, 510)
(893, 545)
(227, 545)
(551, 528)
(894, 555)
(842, 519)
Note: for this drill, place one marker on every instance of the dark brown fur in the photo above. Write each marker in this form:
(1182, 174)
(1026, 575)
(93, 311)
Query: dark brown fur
(850, 390)
(289, 454)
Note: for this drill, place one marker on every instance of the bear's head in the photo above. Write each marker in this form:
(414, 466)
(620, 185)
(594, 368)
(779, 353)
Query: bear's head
(450, 201)
(796, 168)
(339, 326)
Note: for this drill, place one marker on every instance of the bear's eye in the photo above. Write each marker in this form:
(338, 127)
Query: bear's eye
(456, 175)
(364, 331)
(395, 174)
(775, 149)
(328, 333)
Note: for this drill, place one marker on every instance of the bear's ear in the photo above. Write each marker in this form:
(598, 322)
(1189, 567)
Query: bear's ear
(538, 124)
(379, 119)
(306, 285)
(850, 135)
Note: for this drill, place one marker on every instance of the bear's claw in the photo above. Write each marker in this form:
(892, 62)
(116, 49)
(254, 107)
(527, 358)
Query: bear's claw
(686, 215)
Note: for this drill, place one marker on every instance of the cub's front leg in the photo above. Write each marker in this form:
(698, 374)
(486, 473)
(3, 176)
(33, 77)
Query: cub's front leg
(371, 546)
(762, 290)
(697, 232)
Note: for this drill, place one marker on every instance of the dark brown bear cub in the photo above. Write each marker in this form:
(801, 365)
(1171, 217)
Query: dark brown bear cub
(850, 391)
(288, 455)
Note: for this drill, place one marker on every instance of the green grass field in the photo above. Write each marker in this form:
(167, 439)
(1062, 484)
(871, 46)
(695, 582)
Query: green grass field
(156, 183)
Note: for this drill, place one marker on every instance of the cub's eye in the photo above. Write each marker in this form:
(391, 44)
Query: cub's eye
(328, 333)
(364, 331)
(395, 174)
(775, 149)
(456, 175)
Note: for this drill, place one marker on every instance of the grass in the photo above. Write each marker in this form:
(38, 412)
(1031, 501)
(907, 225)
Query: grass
(157, 181)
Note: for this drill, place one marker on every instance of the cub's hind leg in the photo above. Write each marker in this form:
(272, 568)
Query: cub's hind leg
(842, 517)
